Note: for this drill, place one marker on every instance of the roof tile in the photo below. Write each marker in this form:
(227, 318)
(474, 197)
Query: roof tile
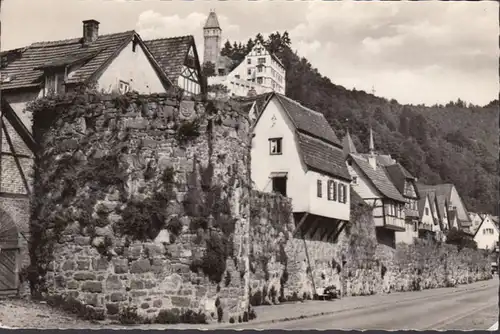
(309, 121)
(170, 53)
(322, 156)
(39, 54)
(378, 177)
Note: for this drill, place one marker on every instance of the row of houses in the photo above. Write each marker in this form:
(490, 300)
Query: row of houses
(299, 155)
(296, 152)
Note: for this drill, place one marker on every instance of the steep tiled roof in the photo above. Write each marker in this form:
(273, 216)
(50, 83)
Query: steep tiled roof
(212, 21)
(421, 205)
(309, 121)
(97, 55)
(348, 144)
(170, 53)
(322, 156)
(246, 102)
(398, 175)
(378, 177)
(445, 190)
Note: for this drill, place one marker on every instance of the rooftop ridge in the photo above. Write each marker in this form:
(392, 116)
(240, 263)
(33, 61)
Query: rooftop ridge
(301, 105)
(73, 40)
(164, 38)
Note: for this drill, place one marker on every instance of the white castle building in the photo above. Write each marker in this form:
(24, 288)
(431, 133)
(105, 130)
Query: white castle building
(260, 70)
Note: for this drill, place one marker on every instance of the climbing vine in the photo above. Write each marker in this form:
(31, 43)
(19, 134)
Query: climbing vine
(85, 154)
(208, 205)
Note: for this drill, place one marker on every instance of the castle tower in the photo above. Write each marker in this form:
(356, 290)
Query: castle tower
(212, 34)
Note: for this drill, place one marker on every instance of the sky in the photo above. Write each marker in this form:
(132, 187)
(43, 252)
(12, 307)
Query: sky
(415, 52)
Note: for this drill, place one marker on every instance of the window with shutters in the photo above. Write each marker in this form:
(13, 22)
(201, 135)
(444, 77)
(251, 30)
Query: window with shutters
(341, 193)
(331, 190)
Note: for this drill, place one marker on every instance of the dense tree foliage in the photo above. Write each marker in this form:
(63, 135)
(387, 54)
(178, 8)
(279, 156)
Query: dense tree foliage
(455, 143)
(460, 239)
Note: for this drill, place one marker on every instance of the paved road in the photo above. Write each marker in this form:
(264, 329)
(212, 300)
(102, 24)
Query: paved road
(462, 309)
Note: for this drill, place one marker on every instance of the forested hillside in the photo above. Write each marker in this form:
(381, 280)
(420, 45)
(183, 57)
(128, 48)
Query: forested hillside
(456, 143)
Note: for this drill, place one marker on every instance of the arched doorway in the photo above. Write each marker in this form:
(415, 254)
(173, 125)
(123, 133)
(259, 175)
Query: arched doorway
(9, 254)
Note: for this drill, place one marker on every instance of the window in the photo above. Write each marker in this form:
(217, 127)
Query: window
(261, 60)
(259, 81)
(123, 87)
(354, 179)
(279, 185)
(249, 61)
(54, 83)
(341, 193)
(275, 146)
(237, 76)
(249, 71)
(319, 186)
(426, 211)
(259, 69)
(331, 190)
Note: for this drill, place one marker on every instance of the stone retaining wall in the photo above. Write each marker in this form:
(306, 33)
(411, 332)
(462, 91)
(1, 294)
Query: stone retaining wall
(155, 172)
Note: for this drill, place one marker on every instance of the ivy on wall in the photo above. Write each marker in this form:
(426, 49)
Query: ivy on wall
(75, 170)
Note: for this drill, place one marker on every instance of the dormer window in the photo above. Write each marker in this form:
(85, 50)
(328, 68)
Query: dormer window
(124, 87)
(54, 83)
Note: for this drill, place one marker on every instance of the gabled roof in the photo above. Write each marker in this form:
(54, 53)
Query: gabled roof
(171, 53)
(378, 177)
(257, 101)
(382, 159)
(319, 147)
(212, 21)
(28, 69)
(308, 121)
(482, 222)
(398, 175)
(322, 156)
(445, 190)
(421, 205)
(348, 145)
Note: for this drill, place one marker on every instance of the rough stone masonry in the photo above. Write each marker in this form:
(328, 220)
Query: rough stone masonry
(143, 204)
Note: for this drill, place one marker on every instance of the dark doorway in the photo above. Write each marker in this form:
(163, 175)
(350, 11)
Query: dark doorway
(279, 185)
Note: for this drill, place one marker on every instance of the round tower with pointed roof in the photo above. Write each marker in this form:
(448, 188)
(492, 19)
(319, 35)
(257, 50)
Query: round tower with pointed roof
(212, 34)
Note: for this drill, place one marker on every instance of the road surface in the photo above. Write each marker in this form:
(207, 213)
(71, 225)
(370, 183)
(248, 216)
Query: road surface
(439, 309)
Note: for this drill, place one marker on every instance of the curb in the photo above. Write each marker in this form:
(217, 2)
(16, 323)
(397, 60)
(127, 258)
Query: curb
(278, 320)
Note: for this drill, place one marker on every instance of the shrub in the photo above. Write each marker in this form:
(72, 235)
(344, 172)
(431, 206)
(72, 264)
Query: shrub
(256, 298)
(188, 130)
(129, 316)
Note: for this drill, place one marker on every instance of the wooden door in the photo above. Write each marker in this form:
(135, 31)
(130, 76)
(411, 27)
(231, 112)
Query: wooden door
(8, 269)
(9, 254)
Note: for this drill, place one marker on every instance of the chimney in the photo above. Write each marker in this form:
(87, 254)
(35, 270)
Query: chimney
(372, 159)
(90, 31)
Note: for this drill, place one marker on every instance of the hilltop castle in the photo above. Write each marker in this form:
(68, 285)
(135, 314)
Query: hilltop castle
(260, 72)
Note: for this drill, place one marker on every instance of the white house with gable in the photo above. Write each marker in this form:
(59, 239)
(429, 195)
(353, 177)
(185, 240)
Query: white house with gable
(260, 70)
(487, 234)
(295, 152)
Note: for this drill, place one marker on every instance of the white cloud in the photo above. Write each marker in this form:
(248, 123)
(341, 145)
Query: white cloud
(151, 24)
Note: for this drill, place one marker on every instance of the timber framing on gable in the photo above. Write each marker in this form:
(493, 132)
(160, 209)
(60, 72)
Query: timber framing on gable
(8, 114)
(191, 69)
